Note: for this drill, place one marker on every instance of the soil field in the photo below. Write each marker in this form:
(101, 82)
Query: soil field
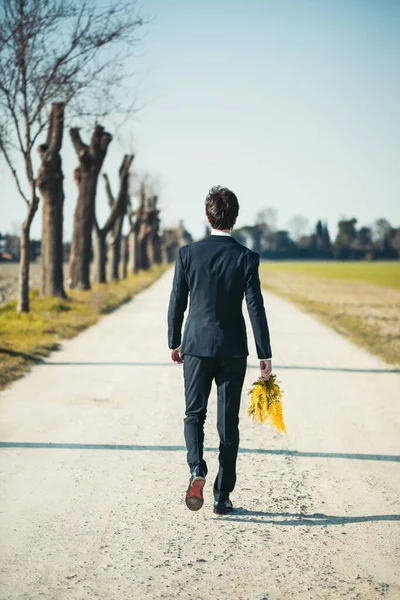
(360, 300)
(9, 280)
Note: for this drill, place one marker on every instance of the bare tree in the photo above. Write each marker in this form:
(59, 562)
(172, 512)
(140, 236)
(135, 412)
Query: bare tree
(114, 248)
(267, 217)
(124, 257)
(113, 224)
(381, 233)
(264, 228)
(145, 228)
(117, 242)
(298, 226)
(54, 50)
(86, 175)
(50, 183)
(396, 241)
(154, 248)
(148, 183)
(135, 220)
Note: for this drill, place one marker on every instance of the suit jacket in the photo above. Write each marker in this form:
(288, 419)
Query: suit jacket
(218, 273)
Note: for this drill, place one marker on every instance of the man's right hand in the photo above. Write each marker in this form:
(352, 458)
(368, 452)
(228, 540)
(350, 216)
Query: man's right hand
(176, 356)
(266, 368)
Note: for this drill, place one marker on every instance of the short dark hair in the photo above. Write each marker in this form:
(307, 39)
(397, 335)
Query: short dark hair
(222, 207)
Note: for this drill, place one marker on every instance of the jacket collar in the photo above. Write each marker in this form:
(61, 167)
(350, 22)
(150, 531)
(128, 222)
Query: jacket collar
(220, 238)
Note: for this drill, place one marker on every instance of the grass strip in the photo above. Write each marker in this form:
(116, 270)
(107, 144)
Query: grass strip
(382, 273)
(26, 338)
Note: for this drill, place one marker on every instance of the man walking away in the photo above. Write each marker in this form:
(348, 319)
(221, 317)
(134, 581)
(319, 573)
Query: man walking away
(219, 273)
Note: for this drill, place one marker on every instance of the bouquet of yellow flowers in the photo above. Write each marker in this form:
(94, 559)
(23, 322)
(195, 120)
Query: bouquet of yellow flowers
(266, 402)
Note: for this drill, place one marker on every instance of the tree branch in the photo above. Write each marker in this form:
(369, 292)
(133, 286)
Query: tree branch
(80, 147)
(119, 206)
(111, 199)
(96, 226)
(32, 208)
(56, 127)
(13, 171)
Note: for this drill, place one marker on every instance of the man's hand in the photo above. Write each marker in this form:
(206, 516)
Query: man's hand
(176, 356)
(266, 368)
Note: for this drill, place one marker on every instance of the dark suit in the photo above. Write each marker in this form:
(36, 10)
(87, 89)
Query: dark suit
(218, 273)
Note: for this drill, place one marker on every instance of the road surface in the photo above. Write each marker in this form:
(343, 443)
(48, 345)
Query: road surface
(94, 472)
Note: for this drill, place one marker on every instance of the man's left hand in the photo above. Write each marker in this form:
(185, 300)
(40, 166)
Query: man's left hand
(177, 356)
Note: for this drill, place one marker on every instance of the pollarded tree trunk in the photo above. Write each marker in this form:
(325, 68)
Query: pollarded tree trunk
(124, 257)
(140, 232)
(144, 262)
(155, 243)
(153, 224)
(122, 202)
(155, 246)
(150, 249)
(24, 263)
(81, 243)
(157, 250)
(50, 183)
(100, 254)
(113, 223)
(25, 256)
(86, 175)
(144, 240)
(156, 239)
(133, 249)
(136, 220)
(115, 249)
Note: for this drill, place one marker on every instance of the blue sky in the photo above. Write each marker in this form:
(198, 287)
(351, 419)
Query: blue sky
(292, 104)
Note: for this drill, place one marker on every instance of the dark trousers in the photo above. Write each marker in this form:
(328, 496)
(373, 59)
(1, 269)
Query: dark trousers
(199, 372)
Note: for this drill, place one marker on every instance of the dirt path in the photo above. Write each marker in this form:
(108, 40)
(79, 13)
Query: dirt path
(94, 471)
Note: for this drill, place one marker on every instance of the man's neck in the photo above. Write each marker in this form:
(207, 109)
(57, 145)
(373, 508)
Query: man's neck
(219, 231)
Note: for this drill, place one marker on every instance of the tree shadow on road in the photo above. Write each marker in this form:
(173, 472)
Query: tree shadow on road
(153, 448)
(249, 366)
(328, 369)
(243, 515)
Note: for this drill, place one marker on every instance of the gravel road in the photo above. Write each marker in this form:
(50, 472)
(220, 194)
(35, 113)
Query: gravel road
(94, 472)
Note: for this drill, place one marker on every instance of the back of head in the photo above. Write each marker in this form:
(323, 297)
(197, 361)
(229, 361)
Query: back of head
(222, 208)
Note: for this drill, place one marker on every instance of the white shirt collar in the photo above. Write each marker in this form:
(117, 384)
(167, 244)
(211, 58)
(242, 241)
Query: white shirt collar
(218, 232)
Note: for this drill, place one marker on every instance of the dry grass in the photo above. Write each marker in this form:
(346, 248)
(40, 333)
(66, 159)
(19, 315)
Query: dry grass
(26, 338)
(366, 313)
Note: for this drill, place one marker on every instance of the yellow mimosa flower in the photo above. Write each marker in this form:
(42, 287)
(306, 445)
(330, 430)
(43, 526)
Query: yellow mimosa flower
(266, 402)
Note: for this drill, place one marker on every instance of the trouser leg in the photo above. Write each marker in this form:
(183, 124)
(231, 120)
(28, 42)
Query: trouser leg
(229, 376)
(198, 376)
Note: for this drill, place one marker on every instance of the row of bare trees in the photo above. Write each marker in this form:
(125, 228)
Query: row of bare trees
(111, 247)
(140, 248)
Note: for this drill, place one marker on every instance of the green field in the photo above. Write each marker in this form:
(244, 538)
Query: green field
(360, 300)
(380, 273)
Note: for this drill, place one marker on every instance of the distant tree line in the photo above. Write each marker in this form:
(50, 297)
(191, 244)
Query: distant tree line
(381, 241)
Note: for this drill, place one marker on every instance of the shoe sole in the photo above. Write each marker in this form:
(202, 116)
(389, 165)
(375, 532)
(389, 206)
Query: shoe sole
(227, 511)
(194, 496)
